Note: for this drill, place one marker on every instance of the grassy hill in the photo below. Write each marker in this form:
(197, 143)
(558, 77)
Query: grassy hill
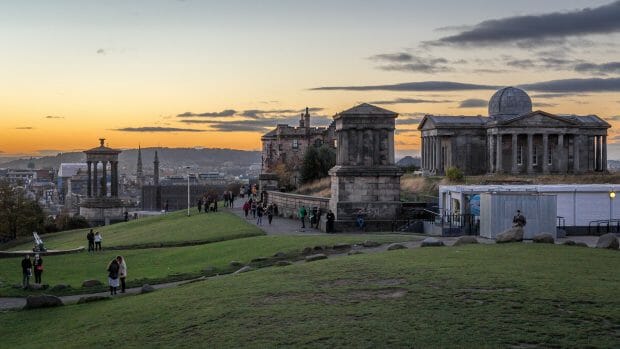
(172, 228)
(485, 296)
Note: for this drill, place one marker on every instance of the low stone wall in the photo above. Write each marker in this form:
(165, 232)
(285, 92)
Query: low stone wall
(289, 204)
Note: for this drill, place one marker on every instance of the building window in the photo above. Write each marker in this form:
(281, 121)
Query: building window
(550, 159)
(535, 153)
(295, 143)
(335, 143)
(520, 155)
(280, 146)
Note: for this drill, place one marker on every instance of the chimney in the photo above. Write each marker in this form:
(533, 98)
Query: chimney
(307, 118)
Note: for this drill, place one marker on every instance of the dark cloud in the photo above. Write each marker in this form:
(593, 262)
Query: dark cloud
(101, 52)
(575, 85)
(410, 101)
(408, 121)
(535, 28)
(224, 113)
(601, 69)
(407, 62)
(25, 128)
(545, 63)
(156, 129)
(258, 124)
(54, 117)
(412, 86)
(544, 105)
(474, 103)
(612, 118)
(556, 95)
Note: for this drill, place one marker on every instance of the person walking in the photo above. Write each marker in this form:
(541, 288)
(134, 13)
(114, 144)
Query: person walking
(259, 215)
(98, 239)
(37, 265)
(246, 209)
(122, 271)
(91, 241)
(302, 216)
(26, 271)
(199, 204)
(113, 270)
(270, 213)
(253, 207)
(329, 228)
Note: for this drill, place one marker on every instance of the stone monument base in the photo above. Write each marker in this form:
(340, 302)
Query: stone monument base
(102, 211)
(373, 190)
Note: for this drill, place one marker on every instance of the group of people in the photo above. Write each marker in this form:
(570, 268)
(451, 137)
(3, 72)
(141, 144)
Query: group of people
(94, 241)
(117, 273)
(29, 267)
(208, 202)
(259, 209)
(314, 218)
(229, 198)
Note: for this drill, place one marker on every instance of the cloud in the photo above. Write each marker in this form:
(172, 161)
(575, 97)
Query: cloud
(412, 86)
(403, 61)
(54, 117)
(262, 124)
(409, 101)
(544, 105)
(575, 85)
(556, 95)
(101, 52)
(536, 28)
(601, 69)
(224, 113)
(612, 118)
(474, 103)
(156, 129)
(25, 128)
(408, 121)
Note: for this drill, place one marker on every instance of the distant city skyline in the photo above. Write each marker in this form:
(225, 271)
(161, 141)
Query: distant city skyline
(220, 74)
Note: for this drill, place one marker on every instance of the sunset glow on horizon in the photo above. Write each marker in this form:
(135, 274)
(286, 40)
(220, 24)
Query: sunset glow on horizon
(220, 74)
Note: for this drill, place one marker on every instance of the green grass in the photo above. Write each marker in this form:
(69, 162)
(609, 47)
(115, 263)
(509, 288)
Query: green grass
(168, 264)
(493, 296)
(166, 229)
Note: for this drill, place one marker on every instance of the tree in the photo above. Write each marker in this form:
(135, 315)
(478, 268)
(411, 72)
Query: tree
(19, 215)
(317, 163)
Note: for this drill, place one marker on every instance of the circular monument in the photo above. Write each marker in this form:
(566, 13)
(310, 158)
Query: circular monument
(510, 101)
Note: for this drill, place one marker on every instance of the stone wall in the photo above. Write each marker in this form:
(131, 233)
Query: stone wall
(289, 204)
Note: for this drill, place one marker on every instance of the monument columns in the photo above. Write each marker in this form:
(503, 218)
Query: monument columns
(104, 179)
(89, 188)
(498, 157)
(576, 151)
(438, 151)
(530, 153)
(604, 157)
(514, 153)
(545, 160)
(560, 151)
(597, 157)
(491, 163)
(95, 184)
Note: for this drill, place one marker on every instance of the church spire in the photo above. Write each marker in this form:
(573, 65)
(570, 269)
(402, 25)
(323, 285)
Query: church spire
(139, 172)
(156, 169)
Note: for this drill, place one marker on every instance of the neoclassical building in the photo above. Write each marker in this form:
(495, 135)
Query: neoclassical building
(514, 139)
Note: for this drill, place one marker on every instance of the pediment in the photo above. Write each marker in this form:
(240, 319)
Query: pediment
(538, 119)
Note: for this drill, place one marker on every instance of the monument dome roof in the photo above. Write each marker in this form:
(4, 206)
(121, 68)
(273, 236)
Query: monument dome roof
(510, 101)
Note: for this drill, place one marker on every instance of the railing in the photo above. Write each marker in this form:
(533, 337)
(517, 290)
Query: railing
(610, 225)
(451, 223)
(561, 223)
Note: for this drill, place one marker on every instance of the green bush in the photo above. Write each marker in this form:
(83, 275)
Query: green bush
(454, 174)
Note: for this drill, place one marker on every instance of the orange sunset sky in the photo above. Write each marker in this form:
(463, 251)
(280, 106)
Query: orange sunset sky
(220, 74)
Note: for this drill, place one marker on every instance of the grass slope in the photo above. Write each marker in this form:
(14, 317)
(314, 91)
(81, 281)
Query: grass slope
(515, 295)
(166, 264)
(165, 229)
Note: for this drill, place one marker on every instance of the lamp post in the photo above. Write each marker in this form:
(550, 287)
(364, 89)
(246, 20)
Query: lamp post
(612, 196)
(188, 168)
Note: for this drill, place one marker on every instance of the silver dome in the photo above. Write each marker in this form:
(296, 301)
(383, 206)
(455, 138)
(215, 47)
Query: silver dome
(510, 101)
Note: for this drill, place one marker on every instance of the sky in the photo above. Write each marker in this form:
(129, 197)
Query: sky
(221, 73)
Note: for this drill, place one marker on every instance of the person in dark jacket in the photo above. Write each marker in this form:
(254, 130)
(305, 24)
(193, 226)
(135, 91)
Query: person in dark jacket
(113, 271)
(26, 271)
(37, 265)
(270, 213)
(329, 228)
(91, 241)
(518, 220)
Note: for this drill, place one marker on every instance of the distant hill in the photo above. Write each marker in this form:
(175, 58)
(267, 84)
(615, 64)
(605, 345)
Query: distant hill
(408, 161)
(207, 159)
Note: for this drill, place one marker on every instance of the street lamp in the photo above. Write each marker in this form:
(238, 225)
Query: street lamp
(187, 168)
(612, 196)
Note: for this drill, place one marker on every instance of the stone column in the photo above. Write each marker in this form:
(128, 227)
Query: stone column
(89, 188)
(114, 186)
(514, 153)
(561, 157)
(104, 179)
(576, 151)
(530, 153)
(597, 157)
(545, 161)
(425, 155)
(95, 179)
(438, 151)
(498, 157)
(604, 157)
(490, 157)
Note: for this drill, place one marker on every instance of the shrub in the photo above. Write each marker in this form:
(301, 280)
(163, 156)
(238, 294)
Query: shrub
(454, 174)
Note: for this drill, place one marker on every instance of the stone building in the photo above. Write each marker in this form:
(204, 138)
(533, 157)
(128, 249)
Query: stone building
(286, 145)
(102, 204)
(514, 139)
(365, 179)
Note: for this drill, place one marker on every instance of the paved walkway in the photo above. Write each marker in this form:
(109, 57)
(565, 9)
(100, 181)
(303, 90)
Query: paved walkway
(279, 225)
